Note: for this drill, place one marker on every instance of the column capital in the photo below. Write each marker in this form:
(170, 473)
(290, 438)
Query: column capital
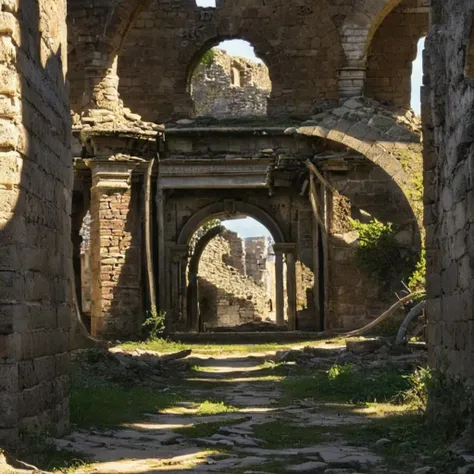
(111, 174)
(284, 248)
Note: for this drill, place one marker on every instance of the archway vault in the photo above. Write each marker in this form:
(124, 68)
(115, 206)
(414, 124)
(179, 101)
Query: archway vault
(229, 207)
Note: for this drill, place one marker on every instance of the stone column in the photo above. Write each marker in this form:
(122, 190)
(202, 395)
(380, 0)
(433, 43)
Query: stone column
(351, 81)
(115, 258)
(178, 260)
(160, 216)
(291, 288)
(101, 88)
(279, 292)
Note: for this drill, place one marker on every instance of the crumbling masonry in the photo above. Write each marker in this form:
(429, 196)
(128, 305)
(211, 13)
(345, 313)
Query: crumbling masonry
(336, 102)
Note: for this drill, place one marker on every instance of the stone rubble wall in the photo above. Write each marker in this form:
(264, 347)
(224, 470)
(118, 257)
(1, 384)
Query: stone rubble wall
(236, 256)
(35, 252)
(256, 257)
(227, 297)
(217, 93)
(449, 188)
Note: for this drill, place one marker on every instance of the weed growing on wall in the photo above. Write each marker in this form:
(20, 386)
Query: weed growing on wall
(155, 323)
(417, 281)
(378, 252)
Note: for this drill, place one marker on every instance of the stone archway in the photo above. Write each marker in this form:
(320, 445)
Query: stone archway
(229, 207)
(178, 259)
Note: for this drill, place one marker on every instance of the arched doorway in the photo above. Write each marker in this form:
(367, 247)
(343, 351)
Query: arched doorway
(231, 276)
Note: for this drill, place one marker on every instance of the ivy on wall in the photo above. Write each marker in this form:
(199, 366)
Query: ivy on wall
(379, 254)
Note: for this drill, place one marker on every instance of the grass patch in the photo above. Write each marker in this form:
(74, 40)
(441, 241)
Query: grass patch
(165, 346)
(280, 434)
(113, 405)
(214, 408)
(346, 384)
(47, 457)
(204, 430)
(411, 438)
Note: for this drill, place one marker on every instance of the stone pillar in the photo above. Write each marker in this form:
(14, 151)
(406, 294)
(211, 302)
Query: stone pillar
(291, 288)
(160, 216)
(177, 286)
(101, 88)
(289, 249)
(351, 81)
(115, 256)
(279, 291)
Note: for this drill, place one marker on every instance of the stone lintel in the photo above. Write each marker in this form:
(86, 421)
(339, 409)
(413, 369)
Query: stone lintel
(285, 247)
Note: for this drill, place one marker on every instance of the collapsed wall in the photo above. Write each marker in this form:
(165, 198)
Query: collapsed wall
(227, 297)
(225, 86)
(35, 190)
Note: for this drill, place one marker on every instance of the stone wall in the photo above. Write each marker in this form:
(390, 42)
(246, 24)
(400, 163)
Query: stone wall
(236, 256)
(256, 257)
(226, 296)
(299, 42)
(229, 86)
(449, 198)
(35, 248)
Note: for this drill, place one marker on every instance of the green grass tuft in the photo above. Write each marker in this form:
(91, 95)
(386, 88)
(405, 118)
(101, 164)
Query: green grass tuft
(347, 384)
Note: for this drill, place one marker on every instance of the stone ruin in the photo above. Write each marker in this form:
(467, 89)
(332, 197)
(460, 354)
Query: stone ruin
(231, 292)
(340, 92)
(227, 86)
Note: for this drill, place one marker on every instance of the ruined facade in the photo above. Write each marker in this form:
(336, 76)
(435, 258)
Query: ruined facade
(225, 86)
(130, 66)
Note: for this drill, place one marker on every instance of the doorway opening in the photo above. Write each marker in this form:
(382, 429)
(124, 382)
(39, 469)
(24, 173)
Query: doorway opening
(232, 277)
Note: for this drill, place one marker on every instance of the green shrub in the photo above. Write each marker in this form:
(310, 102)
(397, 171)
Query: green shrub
(378, 252)
(417, 394)
(155, 323)
(417, 281)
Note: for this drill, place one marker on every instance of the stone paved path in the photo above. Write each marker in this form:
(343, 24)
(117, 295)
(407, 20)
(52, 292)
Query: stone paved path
(154, 446)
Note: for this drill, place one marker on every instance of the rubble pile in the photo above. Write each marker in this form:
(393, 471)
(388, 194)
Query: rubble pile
(124, 368)
(371, 353)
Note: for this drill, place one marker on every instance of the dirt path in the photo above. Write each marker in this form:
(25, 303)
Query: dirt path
(246, 435)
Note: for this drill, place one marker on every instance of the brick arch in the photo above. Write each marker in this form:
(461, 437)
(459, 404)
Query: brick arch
(94, 48)
(225, 208)
(358, 29)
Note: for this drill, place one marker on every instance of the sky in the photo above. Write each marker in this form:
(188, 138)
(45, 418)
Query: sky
(246, 227)
(249, 227)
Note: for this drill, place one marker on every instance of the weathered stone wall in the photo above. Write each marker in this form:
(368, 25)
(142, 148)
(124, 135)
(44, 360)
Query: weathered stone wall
(235, 257)
(230, 86)
(448, 117)
(35, 249)
(227, 297)
(256, 257)
(392, 52)
(299, 43)
(354, 297)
